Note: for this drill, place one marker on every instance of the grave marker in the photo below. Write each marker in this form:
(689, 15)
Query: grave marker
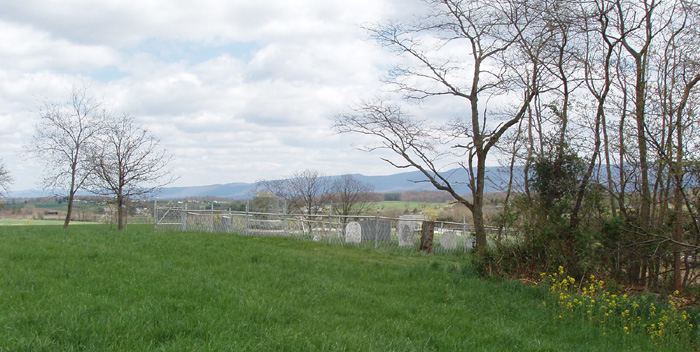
(448, 240)
(353, 232)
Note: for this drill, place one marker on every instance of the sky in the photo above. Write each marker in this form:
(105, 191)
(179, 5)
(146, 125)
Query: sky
(237, 91)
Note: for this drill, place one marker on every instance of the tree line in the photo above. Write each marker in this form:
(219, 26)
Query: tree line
(591, 106)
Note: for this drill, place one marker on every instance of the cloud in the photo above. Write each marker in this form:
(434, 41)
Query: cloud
(124, 23)
(23, 48)
(237, 91)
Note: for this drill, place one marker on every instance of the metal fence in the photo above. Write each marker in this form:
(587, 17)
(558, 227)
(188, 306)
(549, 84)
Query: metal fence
(365, 231)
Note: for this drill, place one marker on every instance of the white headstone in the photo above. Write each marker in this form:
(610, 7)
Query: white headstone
(408, 226)
(353, 232)
(448, 240)
(405, 234)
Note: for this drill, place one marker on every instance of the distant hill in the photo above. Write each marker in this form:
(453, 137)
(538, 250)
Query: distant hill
(401, 182)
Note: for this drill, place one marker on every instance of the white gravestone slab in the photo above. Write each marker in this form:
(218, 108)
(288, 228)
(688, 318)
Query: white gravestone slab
(409, 225)
(353, 232)
(448, 240)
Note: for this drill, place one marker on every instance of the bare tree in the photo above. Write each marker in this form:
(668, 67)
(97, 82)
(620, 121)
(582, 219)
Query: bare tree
(468, 50)
(129, 164)
(62, 139)
(5, 179)
(350, 194)
(308, 190)
(305, 191)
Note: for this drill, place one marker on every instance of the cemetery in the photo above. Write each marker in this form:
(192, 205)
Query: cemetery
(366, 231)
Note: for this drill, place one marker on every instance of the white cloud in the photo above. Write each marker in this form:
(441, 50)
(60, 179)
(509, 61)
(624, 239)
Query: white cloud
(23, 48)
(237, 91)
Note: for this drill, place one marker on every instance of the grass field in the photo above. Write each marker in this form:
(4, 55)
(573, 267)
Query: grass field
(93, 289)
(32, 222)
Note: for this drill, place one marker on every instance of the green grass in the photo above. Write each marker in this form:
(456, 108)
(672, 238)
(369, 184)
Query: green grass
(32, 222)
(52, 205)
(93, 289)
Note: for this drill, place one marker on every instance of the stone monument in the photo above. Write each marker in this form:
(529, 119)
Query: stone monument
(353, 232)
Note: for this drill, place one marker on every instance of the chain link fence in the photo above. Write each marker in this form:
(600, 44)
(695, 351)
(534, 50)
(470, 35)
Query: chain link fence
(364, 231)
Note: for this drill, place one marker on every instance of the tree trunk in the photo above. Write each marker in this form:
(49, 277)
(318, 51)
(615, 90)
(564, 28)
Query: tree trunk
(120, 212)
(426, 238)
(71, 196)
(69, 211)
(677, 237)
(478, 209)
(645, 206)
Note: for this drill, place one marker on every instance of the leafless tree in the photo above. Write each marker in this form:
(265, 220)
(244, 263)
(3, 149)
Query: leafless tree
(5, 179)
(308, 190)
(468, 50)
(128, 164)
(62, 140)
(350, 195)
(677, 73)
(304, 191)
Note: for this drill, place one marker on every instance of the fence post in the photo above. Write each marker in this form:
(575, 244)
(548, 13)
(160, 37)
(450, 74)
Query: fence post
(284, 218)
(376, 231)
(464, 232)
(212, 218)
(155, 215)
(341, 228)
(247, 226)
(330, 223)
(183, 219)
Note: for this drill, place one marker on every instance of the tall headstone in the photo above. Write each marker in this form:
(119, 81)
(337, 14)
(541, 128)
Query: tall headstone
(408, 226)
(405, 235)
(353, 232)
(448, 240)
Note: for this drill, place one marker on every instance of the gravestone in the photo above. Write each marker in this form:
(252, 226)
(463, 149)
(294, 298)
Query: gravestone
(471, 241)
(405, 235)
(448, 240)
(379, 230)
(226, 224)
(408, 226)
(353, 232)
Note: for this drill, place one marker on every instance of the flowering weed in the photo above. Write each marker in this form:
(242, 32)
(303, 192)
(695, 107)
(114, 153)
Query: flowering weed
(663, 322)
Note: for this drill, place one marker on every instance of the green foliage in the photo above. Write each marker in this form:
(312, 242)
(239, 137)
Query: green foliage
(265, 202)
(549, 239)
(555, 179)
(622, 248)
(392, 197)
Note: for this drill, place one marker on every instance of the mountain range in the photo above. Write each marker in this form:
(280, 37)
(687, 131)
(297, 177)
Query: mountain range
(400, 182)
